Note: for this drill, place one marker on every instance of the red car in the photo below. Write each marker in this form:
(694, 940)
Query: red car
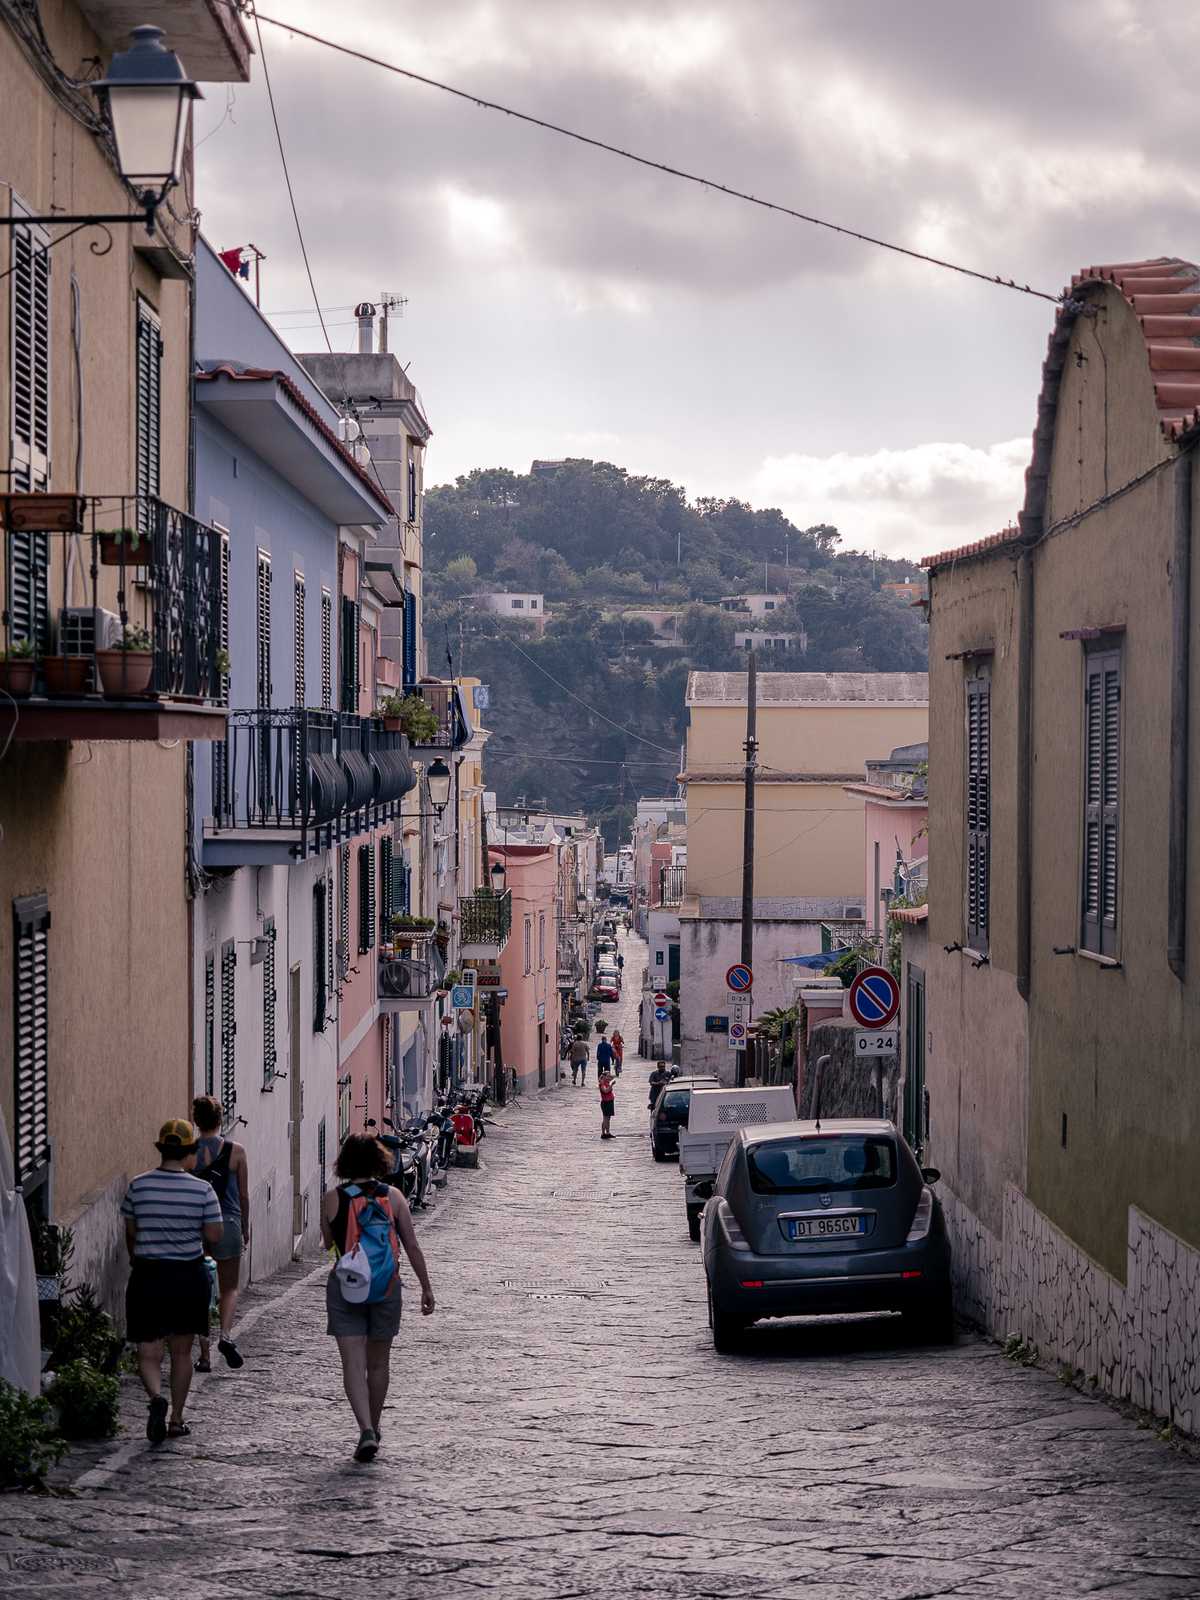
(604, 989)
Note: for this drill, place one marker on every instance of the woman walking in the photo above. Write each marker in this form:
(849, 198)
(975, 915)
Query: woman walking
(222, 1163)
(366, 1221)
(618, 1045)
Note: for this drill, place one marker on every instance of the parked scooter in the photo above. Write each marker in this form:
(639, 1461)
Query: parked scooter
(404, 1175)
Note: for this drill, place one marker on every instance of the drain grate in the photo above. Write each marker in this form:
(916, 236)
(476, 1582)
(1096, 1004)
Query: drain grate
(562, 1294)
(44, 1561)
(576, 1286)
(582, 1194)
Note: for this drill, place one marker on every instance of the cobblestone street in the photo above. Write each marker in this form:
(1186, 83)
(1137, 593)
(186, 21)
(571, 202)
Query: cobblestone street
(562, 1428)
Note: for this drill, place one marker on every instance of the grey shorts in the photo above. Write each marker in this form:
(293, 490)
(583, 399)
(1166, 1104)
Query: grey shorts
(345, 1321)
(231, 1246)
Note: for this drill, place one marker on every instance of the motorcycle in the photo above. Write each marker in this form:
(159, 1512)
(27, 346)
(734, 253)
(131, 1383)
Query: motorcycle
(404, 1175)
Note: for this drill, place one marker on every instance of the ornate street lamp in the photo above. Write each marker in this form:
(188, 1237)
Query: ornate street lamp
(147, 95)
(499, 878)
(439, 779)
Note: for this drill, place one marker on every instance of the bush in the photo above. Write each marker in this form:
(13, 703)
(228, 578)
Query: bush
(29, 1442)
(86, 1400)
(600, 1024)
(84, 1331)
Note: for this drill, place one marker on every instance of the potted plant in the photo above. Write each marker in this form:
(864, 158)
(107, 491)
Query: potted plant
(17, 668)
(410, 715)
(86, 1401)
(70, 676)
(130, 545)
(222, 662)
(408, 931)
(127, 668)
(29, 1442)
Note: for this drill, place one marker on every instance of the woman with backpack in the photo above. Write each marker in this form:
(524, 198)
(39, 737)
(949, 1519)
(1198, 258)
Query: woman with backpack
(366, 1222)
(222, 1163)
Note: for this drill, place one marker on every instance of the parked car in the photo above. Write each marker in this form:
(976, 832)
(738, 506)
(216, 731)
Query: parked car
(824, 1218)
(605, 990)
(714, 1116)
(670, 1113)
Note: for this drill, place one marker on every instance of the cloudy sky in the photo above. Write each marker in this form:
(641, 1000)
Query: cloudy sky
(564, 302)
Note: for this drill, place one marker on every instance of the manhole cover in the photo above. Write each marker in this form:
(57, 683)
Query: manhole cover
(528, 1285)
(60, 1561)
(582, 1194)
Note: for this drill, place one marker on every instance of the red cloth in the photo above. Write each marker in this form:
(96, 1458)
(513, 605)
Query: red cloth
(464, 1127)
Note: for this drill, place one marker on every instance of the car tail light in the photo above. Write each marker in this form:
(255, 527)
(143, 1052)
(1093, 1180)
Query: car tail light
(751, 1283)
(922, 1217)
(730, 1230)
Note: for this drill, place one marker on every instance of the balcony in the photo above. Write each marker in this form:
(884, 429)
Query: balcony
(288, 784)
(485, 922)
(406, 983)
(447, 703)
(112, 619)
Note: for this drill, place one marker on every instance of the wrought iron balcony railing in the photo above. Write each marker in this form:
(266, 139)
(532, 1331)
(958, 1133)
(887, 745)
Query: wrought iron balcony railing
(311, 777)
(485, 922)
(453, 728)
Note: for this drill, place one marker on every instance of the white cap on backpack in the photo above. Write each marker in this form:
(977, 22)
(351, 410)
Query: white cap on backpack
(353, 1273)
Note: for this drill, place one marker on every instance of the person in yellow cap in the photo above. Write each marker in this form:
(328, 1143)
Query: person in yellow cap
(169, 1218)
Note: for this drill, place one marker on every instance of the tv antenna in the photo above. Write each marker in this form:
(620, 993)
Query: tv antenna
(387, 304)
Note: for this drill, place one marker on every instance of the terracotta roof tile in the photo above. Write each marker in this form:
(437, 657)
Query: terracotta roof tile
(981, 547)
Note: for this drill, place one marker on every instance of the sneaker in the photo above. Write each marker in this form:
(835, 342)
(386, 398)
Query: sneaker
(233, 1356)
(368, 1444)
(156, 1422)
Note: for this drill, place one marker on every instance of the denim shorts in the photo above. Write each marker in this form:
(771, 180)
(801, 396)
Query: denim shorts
(378, 1320)
(231, 1246)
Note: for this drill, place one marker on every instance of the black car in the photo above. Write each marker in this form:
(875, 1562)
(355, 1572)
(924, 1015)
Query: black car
(670, 1113)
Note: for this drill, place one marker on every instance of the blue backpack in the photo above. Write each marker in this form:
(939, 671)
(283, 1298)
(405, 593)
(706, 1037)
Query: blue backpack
(370, 1234)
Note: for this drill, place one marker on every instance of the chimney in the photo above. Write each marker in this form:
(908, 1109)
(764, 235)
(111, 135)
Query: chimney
(365, 312)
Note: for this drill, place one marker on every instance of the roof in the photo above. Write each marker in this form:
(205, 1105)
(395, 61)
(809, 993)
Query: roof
(808, 1128)
(893, 797)
(981, 547)
(910, 915)
(226, 369)
(810, 688)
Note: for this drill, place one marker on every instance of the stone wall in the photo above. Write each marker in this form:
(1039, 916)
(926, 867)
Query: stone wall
(1138, 1340)
(850, 1087)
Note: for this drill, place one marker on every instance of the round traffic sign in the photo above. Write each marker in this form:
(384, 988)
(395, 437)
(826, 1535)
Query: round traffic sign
(739, 978)
(874, 997)
(661, 997)
(737, 1030)
(661, 1014)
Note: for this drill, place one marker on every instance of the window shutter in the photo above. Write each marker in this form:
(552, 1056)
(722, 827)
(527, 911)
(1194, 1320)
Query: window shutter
(319, 956)
(321, 1156)
(269, 1054)
(385, 888)
(262, 615)
(31, 1038)
(210, 1017)
(299, 684)
(1101, 802)
(148, 412)
(410, 641)
(366, 898)
(979, 782)
(28, 554)
(349, 654)
(326, 649)
(344, 911)
(330, 946)
(228, 1029)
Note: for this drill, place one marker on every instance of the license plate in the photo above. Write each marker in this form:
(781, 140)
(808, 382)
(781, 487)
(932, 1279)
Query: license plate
(825, 1227)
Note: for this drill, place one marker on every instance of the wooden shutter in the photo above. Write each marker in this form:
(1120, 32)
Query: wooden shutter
(979, 808)
(148, 415)
(330, 943)
(27, 580)
(228, 1029)
(366, 898)
(326, 649)
(410, 640)
(320, 994)
(299, 688)
(385, 888)
(262, 626)
(210, 1017)
(31, 1038)
(1101, 802)
(269, 1052)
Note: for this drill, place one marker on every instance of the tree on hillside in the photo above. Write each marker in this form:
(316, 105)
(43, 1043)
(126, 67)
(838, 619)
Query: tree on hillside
(707, 636)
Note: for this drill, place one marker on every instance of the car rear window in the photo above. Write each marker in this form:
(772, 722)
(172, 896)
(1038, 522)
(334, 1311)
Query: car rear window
(676, 1100)
(830, 1164)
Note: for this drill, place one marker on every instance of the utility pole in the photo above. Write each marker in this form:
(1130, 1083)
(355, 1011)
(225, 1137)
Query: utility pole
(751, 749)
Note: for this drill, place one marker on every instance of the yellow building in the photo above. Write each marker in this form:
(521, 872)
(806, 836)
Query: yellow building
(815, 733)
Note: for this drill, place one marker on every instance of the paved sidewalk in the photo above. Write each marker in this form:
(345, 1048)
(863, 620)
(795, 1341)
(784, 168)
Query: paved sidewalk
(562, 1428)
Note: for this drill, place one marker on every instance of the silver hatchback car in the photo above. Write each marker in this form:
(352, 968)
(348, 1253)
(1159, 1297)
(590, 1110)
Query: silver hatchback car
(813, 1219)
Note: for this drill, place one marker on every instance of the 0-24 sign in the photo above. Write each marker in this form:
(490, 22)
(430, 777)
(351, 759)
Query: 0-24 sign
(876, 1042)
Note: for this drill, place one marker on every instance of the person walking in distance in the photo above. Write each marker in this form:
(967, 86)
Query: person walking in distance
(658, 1077)
(618, 1045)
(366, 1222)
(170, 1216)
(606, 1056)
(608, 1101)
(222, 1163)
(579, 1060)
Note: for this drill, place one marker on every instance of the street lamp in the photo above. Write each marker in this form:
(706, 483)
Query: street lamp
(147, 94)
(438, 778)
(499, 878)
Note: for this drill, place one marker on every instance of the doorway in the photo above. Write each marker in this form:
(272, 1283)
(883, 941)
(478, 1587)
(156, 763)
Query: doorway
(916, 1129)
(296, 1086)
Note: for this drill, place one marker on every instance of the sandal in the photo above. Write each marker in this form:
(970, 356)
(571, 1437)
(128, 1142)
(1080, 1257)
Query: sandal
(156, 1422)
(201, 1365)
(368, 1445)
(178, 1430)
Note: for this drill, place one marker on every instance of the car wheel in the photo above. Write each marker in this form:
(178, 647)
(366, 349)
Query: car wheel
(727, 1332)
(657, 1153)
(693, 1216)
(932, 1322)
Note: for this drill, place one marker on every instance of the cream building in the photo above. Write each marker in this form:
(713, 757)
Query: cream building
(815, 733)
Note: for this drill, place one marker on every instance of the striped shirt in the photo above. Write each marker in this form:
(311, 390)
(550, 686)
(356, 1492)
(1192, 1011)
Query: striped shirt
(170, 1210)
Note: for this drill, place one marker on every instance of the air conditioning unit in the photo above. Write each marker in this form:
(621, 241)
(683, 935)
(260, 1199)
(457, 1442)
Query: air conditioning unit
(404, 980)
(853, 914)
(82, 629)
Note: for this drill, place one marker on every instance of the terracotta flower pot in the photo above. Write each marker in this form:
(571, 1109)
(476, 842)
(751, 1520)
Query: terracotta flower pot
(111, 548)
(16, 678)
(125, 673)
(393, 724)
(67, 675)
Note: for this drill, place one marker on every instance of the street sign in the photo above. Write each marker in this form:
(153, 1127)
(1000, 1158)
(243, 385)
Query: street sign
(737, 1035)
(716, 1024)
(739, 1011)
(874, 997)
(876, 1042)
(462, 996)
(661, 997)
(541, 1011)
(488, 980)
(739, 978)
(661, 1014)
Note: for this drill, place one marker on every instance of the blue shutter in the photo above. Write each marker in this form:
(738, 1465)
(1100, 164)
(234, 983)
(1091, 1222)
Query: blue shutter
(410, 640)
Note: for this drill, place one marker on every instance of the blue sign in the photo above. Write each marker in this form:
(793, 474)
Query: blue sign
(716, 1024)
(481, 694)
(462, 996)
(661, 1014)
(874, 997)
(740, 978)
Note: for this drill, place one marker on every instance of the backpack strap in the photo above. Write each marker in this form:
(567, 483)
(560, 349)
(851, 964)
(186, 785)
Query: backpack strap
(359, 1198)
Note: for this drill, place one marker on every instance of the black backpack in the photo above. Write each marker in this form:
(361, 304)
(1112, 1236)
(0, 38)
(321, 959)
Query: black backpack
(217, 1172)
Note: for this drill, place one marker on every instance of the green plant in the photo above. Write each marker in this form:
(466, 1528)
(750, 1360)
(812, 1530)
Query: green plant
(600, 1024)
(417, 719)
(406, 924)
(135, 638)
(222, 662)
(452, 977)
(29, 1442)
(86, 1401)
(133, 537)
(53, 1248)
(22, 650)
(84, 1331)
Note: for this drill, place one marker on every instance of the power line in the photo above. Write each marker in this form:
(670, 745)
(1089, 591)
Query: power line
(628, 732)
(287, 178)
(647, 161)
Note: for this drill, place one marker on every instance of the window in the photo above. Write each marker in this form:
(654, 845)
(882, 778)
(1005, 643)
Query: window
(386, 889)
(149, 410)
(28, 554)
(320, 992)
(298, 681)
(528, 944)
(228, 1029)
(768, 605)
(262, 626)
(658, 958)
(533, 605)
(349, 654)
(269, 1054)
(326, 650)
(518, 605)
(412, 484)
(210, 1017)
(1101, 801)
(979, 805)
(831, 1165)
(344, 1107)
(343, 911)
(31, 1039)
(541, 940)
(366, 898)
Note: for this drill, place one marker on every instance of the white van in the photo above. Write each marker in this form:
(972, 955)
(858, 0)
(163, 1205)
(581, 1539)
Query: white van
(714, 1116)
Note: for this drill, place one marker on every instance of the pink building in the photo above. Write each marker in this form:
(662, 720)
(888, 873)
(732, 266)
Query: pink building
(896, 818)
(529, 962)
